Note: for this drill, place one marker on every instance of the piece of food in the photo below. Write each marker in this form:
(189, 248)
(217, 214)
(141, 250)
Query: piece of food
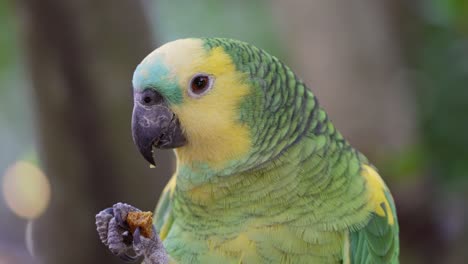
(143, 220)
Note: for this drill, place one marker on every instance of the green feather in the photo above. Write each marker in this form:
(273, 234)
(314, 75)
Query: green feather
(296, 197)
(377, 242)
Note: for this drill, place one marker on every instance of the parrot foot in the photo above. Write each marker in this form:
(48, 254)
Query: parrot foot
(151, 248)
(114, 232)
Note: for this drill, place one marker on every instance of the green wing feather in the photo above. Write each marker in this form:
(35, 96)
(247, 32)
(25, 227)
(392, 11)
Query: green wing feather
(378, 241)
(163, 215)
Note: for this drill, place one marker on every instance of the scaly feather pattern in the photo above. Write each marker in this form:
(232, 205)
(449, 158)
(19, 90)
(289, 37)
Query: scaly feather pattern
(301, 194)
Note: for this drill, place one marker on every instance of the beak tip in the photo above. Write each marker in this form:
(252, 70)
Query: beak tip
(150, 159)
(146, 152)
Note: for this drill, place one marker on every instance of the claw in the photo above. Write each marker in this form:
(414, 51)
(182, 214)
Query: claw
(120, 221)
(136, 236)
(109, 210)
(120, 213)
(127, 237)
(128, 258)
(115, 240)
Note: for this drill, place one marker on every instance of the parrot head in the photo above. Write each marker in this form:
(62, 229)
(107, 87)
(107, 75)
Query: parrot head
(207, 99)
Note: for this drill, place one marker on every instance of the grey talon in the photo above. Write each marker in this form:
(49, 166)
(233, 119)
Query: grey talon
(120, 221)
(109, 210)
(127, 237)
(128, 258)
(136, 236)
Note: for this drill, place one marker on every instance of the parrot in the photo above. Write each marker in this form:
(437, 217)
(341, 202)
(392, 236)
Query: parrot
(262, 175)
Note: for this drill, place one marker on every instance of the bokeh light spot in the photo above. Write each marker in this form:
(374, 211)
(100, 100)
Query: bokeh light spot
(26, 190)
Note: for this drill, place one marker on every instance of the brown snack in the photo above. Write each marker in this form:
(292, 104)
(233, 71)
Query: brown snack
(143, 220)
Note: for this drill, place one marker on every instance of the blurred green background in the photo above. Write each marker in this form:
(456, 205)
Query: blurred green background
(392, 74)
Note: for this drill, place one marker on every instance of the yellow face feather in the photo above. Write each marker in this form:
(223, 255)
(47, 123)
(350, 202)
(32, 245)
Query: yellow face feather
(211, 126)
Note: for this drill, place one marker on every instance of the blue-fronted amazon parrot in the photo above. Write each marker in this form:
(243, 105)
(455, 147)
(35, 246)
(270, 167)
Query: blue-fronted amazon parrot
(262, 174)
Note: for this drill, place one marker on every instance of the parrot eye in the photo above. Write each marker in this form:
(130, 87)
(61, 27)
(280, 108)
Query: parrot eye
(200, 84)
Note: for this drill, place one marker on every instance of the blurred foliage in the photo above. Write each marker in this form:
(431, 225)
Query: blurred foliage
(449, 13)
(436, 47)
(6, 37)
(405, 165)
(16, 134)
(439, 54)
(196, 19)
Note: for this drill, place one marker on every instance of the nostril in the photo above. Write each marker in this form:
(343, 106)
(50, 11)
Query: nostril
(147, 99)
(150, 97)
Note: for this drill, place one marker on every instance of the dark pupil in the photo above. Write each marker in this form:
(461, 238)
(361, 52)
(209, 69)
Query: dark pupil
(199, 83)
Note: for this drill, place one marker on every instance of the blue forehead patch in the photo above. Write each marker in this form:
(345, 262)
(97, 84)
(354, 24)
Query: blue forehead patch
(154, 74)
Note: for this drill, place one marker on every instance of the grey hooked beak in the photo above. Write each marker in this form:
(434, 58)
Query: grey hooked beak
(154, 124)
